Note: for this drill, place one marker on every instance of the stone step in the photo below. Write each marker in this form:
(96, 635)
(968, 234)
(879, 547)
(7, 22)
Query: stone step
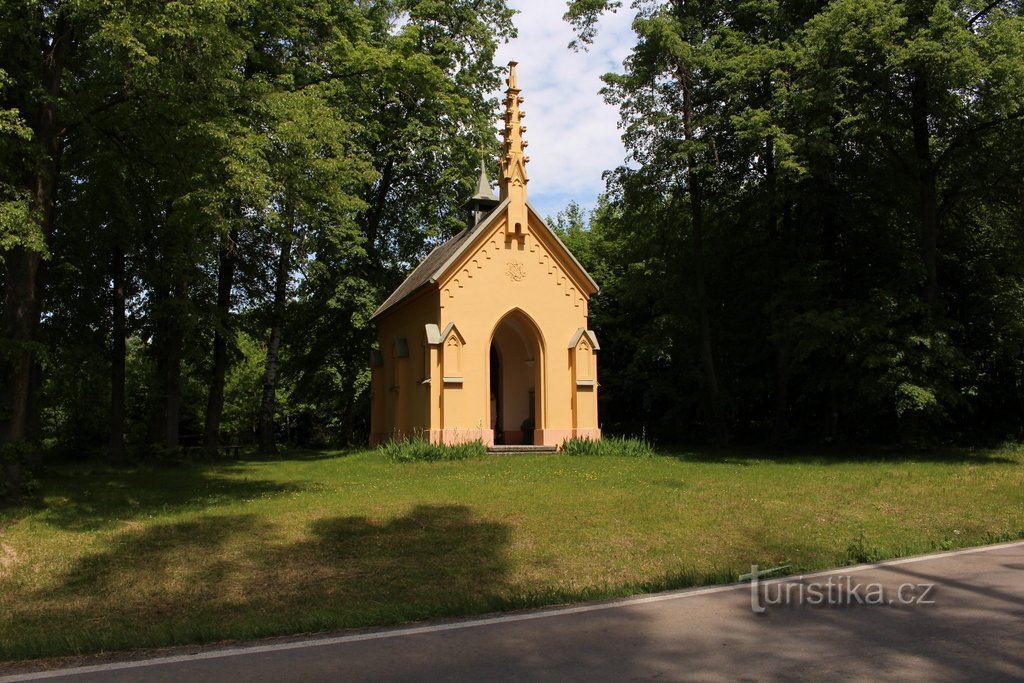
(520, 448)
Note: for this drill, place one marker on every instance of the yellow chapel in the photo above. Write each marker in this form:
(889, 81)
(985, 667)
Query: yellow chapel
(487, 338)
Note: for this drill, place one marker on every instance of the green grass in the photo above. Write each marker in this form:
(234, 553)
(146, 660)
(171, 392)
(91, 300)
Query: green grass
(418, 449)
(619, 446)
(152, 556)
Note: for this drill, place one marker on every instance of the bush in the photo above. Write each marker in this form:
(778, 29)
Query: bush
(622, 446)
(418, 449)
(21, 453)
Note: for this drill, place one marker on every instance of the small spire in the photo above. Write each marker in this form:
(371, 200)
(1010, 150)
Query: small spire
(483, 185)
(481, 204)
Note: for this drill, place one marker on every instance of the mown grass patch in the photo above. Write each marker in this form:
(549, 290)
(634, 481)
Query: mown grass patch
(150, 556)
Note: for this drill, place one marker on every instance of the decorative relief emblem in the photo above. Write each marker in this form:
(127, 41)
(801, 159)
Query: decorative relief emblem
(516, 271)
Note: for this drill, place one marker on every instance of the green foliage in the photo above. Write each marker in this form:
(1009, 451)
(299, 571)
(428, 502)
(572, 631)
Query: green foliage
(617, 446)
(419, 449)
(583, 15)
(189, 135)
(855, 164)
(859, 551)
(19, 226)
(852, 165)
(20, 452)
(242, 390)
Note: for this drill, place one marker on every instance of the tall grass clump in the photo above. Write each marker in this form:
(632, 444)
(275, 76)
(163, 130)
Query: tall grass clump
(621, 446)
(418, 449)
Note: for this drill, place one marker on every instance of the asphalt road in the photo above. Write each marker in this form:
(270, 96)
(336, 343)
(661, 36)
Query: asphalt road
(951, 616)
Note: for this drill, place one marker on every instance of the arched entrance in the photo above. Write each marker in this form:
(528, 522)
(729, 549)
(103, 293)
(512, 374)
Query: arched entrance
(516, 380)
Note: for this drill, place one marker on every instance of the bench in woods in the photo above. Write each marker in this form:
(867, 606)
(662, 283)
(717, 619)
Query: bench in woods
(190, 444)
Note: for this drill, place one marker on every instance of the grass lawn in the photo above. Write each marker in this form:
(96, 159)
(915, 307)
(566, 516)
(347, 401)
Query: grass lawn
(152, 556)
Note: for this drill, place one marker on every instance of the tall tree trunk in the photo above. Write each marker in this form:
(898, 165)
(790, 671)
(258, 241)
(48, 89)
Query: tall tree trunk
(165, 389)
(707, 355)
(927, 178)
(780, 409)
(225, 282)
(376, 213)
(117, 358)
(21, 318)
(33, 427)
(268, 405)
(155, 429)
(829, 225)
(772, 188)
(172, 376)
(22, 286)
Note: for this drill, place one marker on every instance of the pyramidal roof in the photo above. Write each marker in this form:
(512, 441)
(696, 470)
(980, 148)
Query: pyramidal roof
(483, 184)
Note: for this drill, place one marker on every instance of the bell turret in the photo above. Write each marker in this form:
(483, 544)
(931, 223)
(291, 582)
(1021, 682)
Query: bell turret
(484, 201)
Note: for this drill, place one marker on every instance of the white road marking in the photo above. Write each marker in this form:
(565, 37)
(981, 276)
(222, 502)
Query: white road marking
(487, 621)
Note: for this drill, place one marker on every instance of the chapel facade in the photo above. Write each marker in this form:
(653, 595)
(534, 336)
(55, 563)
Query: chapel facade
(487, 338)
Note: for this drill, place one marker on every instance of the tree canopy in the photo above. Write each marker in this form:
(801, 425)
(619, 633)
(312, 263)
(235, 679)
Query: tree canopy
(203, 201)
(830, 194)
(816, 235)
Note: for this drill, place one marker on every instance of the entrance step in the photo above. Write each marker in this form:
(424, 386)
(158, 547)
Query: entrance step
(514, 448)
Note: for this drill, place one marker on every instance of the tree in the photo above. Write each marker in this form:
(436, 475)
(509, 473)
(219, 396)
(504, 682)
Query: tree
(838, 172)
(427, 112)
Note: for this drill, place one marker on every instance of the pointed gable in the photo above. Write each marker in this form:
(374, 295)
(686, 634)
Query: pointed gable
(548, 242)
(431, 268)
(443, 259)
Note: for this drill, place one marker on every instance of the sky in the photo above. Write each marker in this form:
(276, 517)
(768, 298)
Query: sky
(573, 134)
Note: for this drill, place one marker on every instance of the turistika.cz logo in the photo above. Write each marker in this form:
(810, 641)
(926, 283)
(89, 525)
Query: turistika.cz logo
(837, 591)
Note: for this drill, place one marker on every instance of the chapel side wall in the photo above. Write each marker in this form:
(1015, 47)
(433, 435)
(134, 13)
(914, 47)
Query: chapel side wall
(404, 408)
(488, 283)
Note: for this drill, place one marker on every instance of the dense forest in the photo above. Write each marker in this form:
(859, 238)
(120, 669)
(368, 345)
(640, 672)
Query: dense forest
(203, 202)
(818, 235)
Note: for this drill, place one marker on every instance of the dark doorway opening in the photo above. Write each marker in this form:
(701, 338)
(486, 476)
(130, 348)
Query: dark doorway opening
(496, 400)
(516, 382)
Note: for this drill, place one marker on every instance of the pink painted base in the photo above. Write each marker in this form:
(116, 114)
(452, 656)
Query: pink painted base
(592, 434)
(456, 436)
(555, 437)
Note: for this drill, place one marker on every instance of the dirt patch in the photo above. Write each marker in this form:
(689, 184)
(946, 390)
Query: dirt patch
(8, 558)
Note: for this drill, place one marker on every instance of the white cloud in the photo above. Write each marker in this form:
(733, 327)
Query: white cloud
(573, 134)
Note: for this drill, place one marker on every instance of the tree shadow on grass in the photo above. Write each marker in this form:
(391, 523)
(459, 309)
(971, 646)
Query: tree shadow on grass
(89, 499)
(302, 455)
(244, 576)
(833, 455)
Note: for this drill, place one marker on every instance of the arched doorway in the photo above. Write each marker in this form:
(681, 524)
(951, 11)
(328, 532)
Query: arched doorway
(516, 380)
